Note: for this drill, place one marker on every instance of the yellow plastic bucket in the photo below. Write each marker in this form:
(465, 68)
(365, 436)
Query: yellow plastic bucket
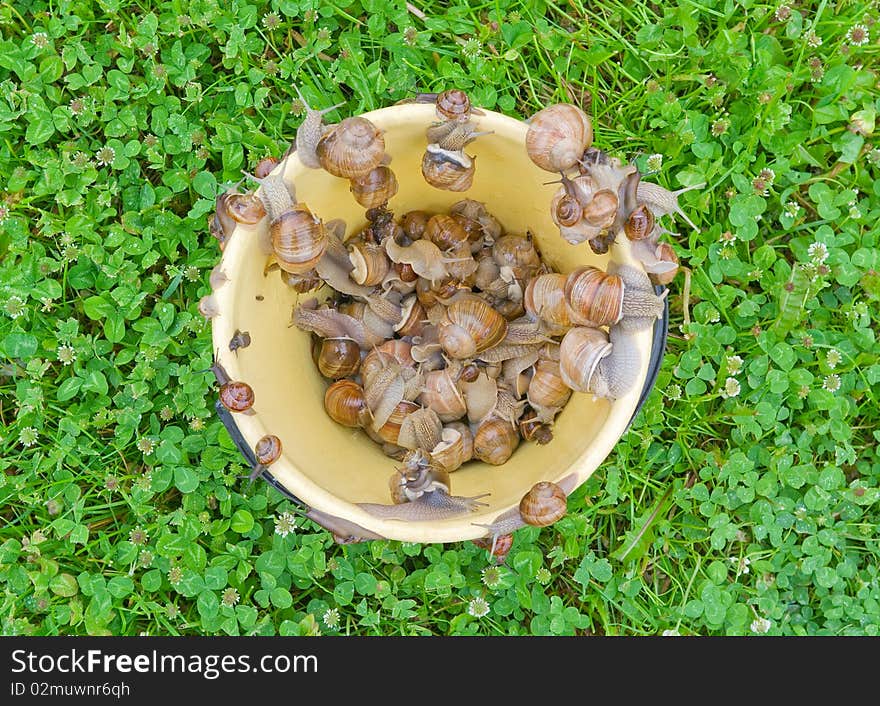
(331, 468)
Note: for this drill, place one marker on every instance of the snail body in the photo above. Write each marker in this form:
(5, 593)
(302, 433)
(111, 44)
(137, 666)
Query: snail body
(266, 451)
(310, 132)
(662, 202)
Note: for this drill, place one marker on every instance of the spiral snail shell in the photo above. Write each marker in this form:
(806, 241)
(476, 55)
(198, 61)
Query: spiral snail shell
(495, 440)
(237, 396)
(346, 404)
(352, 149)
(375, 188)
(453, 104)
(469, 326)
(639, 224)
(441, 394)
(310, 132)
(242, 208)
(579, 354)
(445, 232)
(339, 358)
(594, 297)
(456, 447)
(544, 504)
(447, 169)
(369, 262)
(557, 137)
(544, 299)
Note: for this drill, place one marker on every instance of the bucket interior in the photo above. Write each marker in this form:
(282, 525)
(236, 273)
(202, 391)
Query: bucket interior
(331, 467)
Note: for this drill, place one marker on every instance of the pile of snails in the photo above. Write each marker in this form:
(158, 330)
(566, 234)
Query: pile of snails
(443, 337)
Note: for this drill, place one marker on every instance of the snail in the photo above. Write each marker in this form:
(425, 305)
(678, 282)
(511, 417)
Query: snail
(209, 307)
(445, 232)
(310, 132)
(240, 339)
(346, 404)
(265, 166)
(369, 263)
(414, 223)
(375, 188)
(605, 365)
(557, 137)
(420, 429)
(240, 208)
(495, 440)
(469, 326)
(339, 358)
(499, 547)
(517, 252)
(447, 169)
(441, 394)
(546, 387)
(662, 202)
(594, 297)
(266, 451)
(456, 447)
(237, 396)
(540, 503)
(343, 531)
(351, 149)
(639, 224)
(413, 317)
(454, 104)
(531, 428)
(544, 300)
(476, 211)
(421, 493)
(453, 135)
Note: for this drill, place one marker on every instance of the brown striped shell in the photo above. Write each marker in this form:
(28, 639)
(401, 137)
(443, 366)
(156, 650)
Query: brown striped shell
(267, 450)
(469, 326)
(450, 171)
(352, 149)
(369, 262)
(339, 358)
(495, 440)
(237, 396)
(298, 239)
(602, 209)
(544, 504)
(242, 208)
(640, 223)
(414, 223)
(440, 392)
(547, 388)
(579, 353)
(558, 136)
(565, 210)
(544, 299)
(444, 231)
(391, 428)
(265, 166)
(346, 404)
(594, 297)
(456, 447)
(375, 188)
(453, 104)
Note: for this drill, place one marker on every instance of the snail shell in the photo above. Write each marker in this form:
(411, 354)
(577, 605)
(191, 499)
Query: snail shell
(352, 149)
(640, 223)
(579, 354)
(445, 232)
(413, 319)
(375, 188)
(237, 396)
(495, 440)
(518, 253)
(265, 166)
(267, 450)
(310, 132)
(369, 262)
(565, 210)
(602, 209)
(499, 546)
(346, 404)
(208, 306)
(453, 104)
(456, 447)
(469, 326)
(544, 299)
(390, 430)
(339, 358)
(240, 339)
(544, 504)
(666, 256)
(547, 388)
(298, 239)
(448, 170)
(558, 136)
(441, 394)
(594, 297)
(414, 223)
(533, 429)
(242, 208)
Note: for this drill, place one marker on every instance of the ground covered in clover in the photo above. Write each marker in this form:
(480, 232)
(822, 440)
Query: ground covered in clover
(744, 498)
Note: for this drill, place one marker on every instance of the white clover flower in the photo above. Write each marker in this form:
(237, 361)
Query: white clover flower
(478, 607)
(831, 382)
(673, 392)
(331, 618)
(734, 364)
(670, 632)
(833, 358)
(40, 39)
(230, 597)
(792, 208)
(855, 213)
(146, 445)
(285, 523)
(28, 436)
(491, 576)
(742, 564)
(813, 39)
(858, 35)
(760, 625)
(731, 388)
(14, 306)
(654, 163)
(105, 156)
(543, 576)
(471, 48)
(66, 354)
(818, 252)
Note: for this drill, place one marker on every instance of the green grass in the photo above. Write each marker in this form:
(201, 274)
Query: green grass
(747, 490)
